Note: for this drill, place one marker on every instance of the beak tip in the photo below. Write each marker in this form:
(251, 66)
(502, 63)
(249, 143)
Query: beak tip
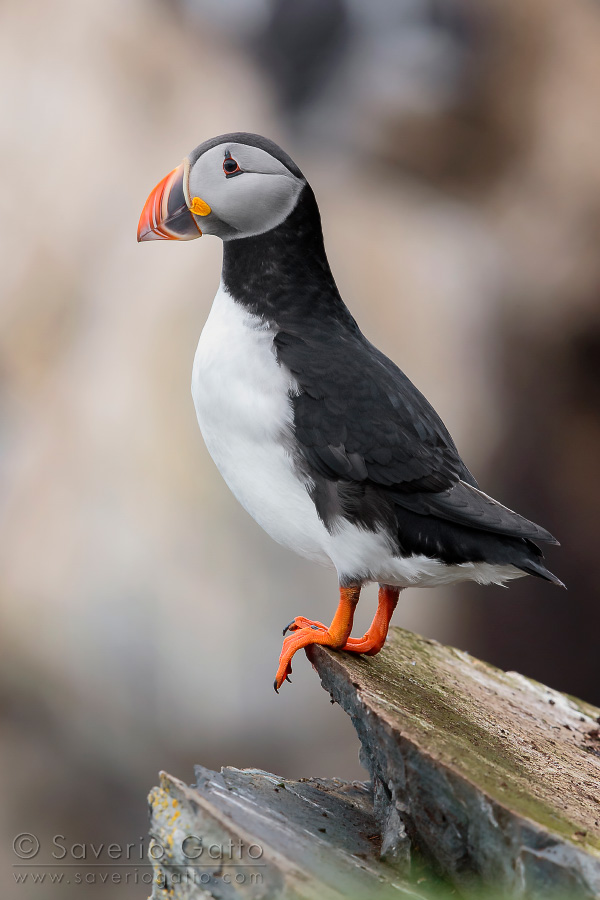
(146, 233)
(166, 216)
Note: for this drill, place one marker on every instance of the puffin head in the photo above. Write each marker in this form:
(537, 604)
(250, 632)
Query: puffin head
(233, 186)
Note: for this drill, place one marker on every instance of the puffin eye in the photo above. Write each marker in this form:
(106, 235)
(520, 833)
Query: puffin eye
(230, 166)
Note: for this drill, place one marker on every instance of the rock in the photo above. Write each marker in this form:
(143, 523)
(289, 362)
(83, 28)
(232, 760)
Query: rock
(484, 778)
(494, 777)
(249, 834)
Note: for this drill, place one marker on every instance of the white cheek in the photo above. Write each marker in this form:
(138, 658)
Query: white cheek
(254, 203)
(251, 202)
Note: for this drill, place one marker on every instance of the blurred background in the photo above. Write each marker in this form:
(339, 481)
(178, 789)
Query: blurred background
(454, 147)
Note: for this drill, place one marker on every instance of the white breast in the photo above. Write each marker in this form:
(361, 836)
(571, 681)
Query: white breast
(241, 395)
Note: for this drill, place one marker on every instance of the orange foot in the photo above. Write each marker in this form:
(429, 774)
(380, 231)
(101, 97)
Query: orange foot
(373, 640)
(302, 622)
(305, 632)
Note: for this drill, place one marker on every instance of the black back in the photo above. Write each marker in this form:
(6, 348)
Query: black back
(375, 450)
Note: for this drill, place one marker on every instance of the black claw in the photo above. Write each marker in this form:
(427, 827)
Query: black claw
(287, 627)
(287, 678)
(275, 686)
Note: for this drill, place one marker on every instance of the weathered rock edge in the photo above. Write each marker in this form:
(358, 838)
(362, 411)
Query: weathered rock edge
(493, 776)
(244, 834)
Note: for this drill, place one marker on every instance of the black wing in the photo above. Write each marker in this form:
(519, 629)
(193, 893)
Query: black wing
(358, 418)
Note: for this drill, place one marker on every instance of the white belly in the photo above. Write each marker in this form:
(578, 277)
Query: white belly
(241, 397)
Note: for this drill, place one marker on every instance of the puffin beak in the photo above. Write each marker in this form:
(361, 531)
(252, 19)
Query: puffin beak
(167, 215)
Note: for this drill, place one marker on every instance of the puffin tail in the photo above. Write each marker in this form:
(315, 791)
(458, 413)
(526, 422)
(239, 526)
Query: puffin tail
(533, 567)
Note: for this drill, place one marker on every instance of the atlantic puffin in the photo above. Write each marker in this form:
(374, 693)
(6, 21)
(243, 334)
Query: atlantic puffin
(323, 439)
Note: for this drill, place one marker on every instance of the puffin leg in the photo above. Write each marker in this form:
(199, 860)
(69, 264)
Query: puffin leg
(372, 642)
(335, 636)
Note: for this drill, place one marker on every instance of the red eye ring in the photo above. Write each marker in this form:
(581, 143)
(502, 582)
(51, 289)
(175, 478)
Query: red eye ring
(230, 166)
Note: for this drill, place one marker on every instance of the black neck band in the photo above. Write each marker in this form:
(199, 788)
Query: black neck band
(283, 275)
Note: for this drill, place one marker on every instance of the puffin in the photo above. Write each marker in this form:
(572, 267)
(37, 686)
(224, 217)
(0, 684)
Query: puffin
(321, 437)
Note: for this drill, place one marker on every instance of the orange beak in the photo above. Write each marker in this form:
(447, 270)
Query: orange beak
(166, 215)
